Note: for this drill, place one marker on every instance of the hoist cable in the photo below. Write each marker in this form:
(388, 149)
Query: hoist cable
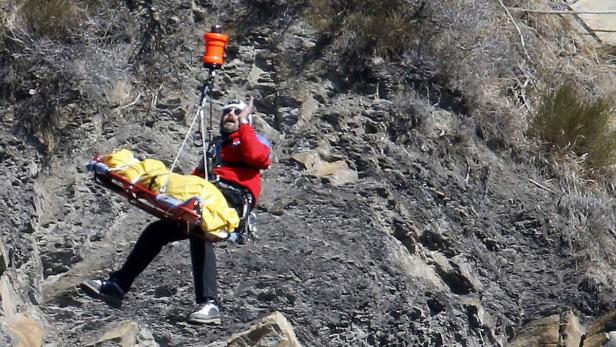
(163, 188)
(185, 140)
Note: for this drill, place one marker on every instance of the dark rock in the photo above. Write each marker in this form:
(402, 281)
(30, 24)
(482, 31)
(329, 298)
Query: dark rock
(434, 237)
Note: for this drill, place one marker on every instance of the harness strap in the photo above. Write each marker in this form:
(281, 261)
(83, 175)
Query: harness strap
(246, 197)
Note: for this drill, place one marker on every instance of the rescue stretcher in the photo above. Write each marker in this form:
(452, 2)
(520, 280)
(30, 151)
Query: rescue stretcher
(159, 205)
(216, 220)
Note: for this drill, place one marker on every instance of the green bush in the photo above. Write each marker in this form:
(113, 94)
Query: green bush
(54, 19)
(569, 122)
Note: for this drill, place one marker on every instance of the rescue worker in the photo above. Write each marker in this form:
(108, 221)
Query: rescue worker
(237, 155)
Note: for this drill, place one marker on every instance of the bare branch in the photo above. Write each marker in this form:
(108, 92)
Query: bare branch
(557, 11)
(539, 185)
(131, 104)
(517, 28)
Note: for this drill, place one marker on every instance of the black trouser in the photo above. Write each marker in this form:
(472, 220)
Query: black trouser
(150, 243)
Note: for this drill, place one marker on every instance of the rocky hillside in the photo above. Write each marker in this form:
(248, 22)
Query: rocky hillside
(405, 206)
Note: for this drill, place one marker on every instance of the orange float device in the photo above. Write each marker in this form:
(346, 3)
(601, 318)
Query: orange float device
(215, 43)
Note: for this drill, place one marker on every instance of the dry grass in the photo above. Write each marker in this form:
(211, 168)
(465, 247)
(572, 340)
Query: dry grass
(54, 19)
(64, 66)
(2, 22)
(569, 123)
(588, 235)
(563, 56)
(608, 55)
(445, 51)
(379, 28)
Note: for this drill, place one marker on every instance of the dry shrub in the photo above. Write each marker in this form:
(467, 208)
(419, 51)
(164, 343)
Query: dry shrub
(2, 22)
(598, 282)
(444, 50)
(54, 19)
(569, 123)
(362, 36)
(380, 28)
(589, 215)
(587, 236)
(607, 53)
(58, 73)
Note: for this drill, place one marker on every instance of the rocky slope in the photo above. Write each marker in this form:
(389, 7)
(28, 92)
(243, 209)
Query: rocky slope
(390, 217)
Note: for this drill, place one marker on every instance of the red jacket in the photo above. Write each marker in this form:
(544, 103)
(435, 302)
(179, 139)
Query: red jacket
(240, 158)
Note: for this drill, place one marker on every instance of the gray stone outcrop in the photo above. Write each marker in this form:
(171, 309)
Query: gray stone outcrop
(272, 330)
(404, 206)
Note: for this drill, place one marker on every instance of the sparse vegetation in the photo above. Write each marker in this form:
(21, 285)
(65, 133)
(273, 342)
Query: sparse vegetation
(444, 50)
(2, 23)
(61, 53)
(54, 19)
(568, 122)
(375, 28)
(428, 101)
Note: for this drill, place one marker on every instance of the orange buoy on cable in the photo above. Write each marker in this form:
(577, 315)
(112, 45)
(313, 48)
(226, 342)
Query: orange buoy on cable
(215, 44)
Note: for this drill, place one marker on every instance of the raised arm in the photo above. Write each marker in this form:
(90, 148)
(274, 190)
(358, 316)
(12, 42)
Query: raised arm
(255, 148)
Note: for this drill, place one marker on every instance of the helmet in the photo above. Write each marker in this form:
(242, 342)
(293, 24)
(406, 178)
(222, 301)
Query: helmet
(235, 103)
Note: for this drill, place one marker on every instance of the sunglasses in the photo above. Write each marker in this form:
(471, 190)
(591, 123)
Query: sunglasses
(234, 111)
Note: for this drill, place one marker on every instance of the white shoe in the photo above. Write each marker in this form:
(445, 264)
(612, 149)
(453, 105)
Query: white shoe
(209, 313)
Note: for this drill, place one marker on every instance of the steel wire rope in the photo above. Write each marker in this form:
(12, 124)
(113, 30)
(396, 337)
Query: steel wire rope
(200, 114)
(163, 188)
(217, 5)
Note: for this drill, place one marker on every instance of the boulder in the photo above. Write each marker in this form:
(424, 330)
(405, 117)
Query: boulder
(572, 331)
(254, 76)
(611, 336)
(127, 334)
(274, 330)
(542, 332)
(119, 93)
(556, 330)
(336, 172)
(308, 109)
(27, 331)
(456, 273)
(596, 334)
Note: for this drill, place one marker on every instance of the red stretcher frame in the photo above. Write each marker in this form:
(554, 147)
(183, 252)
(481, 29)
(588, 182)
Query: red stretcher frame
(145, 199)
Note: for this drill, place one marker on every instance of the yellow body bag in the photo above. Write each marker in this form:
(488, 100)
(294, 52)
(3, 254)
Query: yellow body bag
(216, 215)
(119, 159)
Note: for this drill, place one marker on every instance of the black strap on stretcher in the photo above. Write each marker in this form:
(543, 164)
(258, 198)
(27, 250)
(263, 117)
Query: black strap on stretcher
(242, 201)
